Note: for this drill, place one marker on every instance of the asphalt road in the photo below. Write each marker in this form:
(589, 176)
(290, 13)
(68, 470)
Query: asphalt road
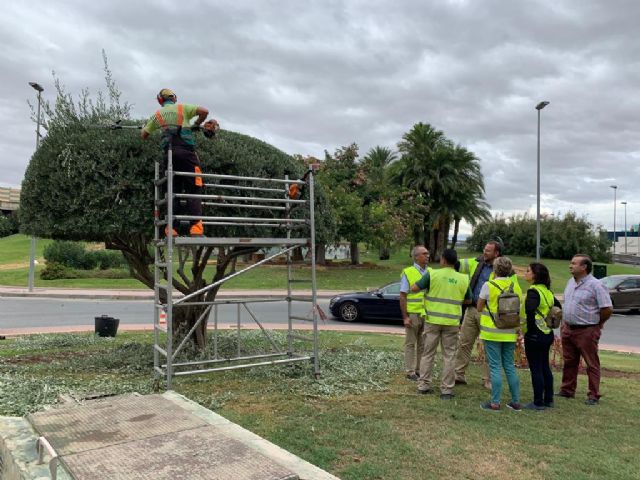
(621, 329)
(18, 312)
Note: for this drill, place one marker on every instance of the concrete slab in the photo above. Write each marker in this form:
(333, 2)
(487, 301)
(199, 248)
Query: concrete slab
(133, 437)
(204, 453)
(100, 423)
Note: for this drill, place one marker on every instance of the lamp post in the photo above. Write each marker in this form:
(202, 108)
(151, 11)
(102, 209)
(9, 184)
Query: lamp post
(625, 226)
(615, 189)
(539, 107)
(32, 253)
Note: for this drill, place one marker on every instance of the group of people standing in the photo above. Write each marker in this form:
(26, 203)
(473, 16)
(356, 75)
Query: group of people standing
(433, 302)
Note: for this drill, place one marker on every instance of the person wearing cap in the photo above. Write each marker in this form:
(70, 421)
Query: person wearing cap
(174, 120)
(446, 291)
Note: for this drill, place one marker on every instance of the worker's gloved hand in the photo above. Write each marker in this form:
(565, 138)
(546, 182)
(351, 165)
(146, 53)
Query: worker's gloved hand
(211, 127)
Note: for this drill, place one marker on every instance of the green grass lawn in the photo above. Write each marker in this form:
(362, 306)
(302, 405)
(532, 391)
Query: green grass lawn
(14, 251)
(362, 419)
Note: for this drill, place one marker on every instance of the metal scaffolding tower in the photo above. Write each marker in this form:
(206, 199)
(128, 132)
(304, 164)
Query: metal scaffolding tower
(272, 197)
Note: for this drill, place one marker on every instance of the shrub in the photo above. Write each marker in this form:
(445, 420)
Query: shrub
(8, 224)
(112, 273)
(69, 254)
(72, 255)
(559, 237)
(106, 259)
(55, 271)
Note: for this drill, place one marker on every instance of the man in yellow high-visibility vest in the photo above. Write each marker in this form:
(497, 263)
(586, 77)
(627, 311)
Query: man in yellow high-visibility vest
(446, 291)
(480, 270)
(412, 309)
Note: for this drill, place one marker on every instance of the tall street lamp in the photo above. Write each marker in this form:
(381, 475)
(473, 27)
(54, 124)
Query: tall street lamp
(615, 189)
(32, 253)
(539, 107)
(625, 226)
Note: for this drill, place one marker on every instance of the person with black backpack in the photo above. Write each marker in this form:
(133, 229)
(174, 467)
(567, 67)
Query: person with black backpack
(542, 317)
(499, 306)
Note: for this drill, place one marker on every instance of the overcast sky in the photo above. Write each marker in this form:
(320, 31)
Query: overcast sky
(313, 75)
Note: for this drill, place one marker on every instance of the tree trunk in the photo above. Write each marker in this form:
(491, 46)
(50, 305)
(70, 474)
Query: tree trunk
(433, 245)
(296, 255)
(416, 234)
(441, 241)
(355, 253)
(426, 235)
(456, 229)
(321, 250)
(384, 253)
(445, 233)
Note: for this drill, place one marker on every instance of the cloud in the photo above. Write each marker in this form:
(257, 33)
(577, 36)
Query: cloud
(316, 75)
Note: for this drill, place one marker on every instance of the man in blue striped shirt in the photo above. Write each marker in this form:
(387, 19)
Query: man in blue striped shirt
(587, 306)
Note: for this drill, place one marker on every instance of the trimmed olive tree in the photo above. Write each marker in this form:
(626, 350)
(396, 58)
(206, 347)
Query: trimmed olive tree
(96, 184)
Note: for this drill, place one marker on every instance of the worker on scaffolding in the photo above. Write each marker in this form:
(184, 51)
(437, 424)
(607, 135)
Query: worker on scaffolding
(177, 133)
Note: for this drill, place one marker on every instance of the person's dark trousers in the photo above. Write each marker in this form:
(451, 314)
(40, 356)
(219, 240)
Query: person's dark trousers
(576, 342)
(186, 160)
(537, 348)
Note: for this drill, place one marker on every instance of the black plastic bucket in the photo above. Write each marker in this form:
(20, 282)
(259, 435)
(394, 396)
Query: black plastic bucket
(107, 326)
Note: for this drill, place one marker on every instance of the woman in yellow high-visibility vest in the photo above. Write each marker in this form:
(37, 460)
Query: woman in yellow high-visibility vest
(539, 337)
(499, 343)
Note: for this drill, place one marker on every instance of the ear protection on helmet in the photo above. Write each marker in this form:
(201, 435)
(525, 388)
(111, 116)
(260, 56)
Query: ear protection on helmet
(165, 94)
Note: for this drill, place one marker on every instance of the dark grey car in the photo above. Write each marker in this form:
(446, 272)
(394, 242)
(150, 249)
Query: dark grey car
(624, 291)
(381, 304)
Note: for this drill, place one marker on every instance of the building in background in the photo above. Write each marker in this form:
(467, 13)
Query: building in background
(9, 200)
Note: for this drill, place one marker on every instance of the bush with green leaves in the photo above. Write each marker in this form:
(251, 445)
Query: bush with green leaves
(560, 238)
(56, 271)
(8, 225)
(108, 259)
(70, 254)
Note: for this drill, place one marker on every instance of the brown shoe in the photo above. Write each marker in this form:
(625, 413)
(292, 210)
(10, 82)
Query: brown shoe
(460, 381)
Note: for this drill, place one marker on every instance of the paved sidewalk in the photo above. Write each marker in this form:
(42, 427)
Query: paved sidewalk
(143, 294)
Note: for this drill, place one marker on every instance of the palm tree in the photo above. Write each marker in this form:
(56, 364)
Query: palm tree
(414, 169)
(377, 188)
(469, 203)
(374, 167)
(448, 176)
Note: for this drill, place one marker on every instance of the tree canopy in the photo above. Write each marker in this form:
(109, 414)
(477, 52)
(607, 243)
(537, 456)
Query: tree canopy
(87, 182)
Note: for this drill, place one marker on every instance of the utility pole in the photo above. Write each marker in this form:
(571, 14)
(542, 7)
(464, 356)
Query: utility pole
(615, 189)
(32, 252)
(539, 107)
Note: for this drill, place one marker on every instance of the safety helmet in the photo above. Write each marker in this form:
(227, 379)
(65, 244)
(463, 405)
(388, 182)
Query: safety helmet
(166, 94)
